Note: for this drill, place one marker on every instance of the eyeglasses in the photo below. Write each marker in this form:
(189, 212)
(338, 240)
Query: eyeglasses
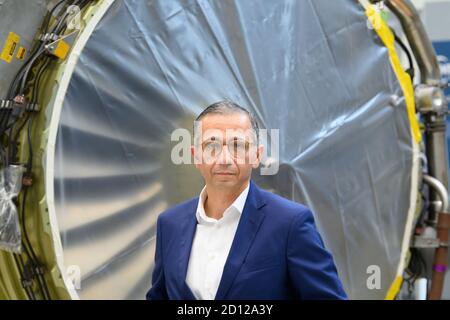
(238, 148)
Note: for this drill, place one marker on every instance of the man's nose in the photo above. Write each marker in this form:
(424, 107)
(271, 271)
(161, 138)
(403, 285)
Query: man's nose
(225, 156)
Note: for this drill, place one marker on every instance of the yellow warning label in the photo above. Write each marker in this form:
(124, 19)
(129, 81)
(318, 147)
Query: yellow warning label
(10, 47)
(62, 49)
(21, 53)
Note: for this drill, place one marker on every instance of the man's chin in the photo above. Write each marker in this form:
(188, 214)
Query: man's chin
(225, 181)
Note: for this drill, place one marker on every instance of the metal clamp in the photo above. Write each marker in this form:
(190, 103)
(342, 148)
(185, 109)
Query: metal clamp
(32, 107)
(6, 104)
(423, 242)
(430, 99)
(11, 104)
(48, 37)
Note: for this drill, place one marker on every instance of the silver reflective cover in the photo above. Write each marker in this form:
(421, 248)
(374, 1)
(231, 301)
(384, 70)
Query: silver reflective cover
(310, 68)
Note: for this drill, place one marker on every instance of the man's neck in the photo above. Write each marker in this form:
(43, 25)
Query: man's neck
(218, 200)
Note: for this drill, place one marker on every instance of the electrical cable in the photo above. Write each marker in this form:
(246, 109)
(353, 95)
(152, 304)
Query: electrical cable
(17, 87)
(19, 263)
(410, 70)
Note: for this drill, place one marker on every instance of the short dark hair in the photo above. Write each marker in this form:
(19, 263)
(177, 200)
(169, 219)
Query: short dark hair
(228, 107)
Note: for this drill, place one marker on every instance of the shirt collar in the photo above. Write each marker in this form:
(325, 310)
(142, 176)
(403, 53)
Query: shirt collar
(237, 205)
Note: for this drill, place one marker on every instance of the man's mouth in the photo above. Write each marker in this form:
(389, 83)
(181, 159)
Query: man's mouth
(225, 173)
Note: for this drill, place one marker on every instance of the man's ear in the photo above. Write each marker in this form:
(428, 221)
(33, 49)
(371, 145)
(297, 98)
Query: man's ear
(259, 153)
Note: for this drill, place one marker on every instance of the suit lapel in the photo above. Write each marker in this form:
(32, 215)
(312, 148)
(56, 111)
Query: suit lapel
(248, 226)
(188, 227)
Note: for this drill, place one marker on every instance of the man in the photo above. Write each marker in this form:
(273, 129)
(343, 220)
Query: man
(237, 241)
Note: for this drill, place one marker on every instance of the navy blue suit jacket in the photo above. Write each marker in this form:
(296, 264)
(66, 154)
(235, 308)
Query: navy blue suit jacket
(276, 253)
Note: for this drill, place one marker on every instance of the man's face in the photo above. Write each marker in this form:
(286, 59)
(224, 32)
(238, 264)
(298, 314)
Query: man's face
(226, 151)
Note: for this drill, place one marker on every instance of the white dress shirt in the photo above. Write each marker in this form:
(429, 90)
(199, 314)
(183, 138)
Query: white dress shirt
(211, 245)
